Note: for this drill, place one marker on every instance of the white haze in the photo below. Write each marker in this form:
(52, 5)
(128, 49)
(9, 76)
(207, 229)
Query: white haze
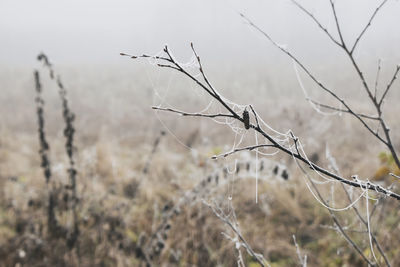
(93, 32)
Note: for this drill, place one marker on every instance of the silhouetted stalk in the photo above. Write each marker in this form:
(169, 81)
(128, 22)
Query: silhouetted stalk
(69, 132)
(153, 151)
(43, 152)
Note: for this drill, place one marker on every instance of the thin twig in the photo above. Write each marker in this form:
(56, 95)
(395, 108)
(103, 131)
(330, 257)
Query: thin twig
(302, 261)
(377, 77)
(394, 175)
(394, 77)
(183, 113)
(255, 115)
(201, 70)
(249, 148)
(366, 26)
(341, 110)
(256, 256)
(343, 44)
(316, 21)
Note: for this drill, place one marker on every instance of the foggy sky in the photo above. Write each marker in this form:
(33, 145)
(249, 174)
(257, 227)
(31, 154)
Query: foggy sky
(95, 31)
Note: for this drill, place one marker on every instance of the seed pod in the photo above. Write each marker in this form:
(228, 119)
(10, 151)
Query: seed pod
(225, 170)
(216, 178)
(275, 170)
(246, 119)
(261, 166)
(285, 175)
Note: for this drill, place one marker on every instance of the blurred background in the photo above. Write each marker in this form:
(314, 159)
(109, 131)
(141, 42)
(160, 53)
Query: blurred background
(85, 39)
(94, 32)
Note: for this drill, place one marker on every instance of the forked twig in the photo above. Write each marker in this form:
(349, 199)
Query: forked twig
(248, 148)
(233, 226)
(367, 26)
(313, 77)
(316, 21)
(394, 77)
(341, 109)
(386, 139)
(187, 114)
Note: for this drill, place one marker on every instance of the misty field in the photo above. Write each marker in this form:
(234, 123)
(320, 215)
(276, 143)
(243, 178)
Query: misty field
(200, 156)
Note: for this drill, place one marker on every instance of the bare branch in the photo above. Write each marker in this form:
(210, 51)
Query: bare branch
(316, 21)
(144, 56)
(248, 148)
(201, 70)
(322, 86)
(366, 185)
(367, 26)
(377, 77)
(389, 85)
(343, 44)
(394, 175)
(233, 226)
(386, 140)
(302, 261)
(208, 90)
(361, 75)
(167, 66)
(342, 110)
(183, 113)
(255, 115)
(377, 105)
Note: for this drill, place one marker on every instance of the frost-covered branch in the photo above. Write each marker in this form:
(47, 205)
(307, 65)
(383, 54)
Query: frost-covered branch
(233, 225)
(169, 60)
